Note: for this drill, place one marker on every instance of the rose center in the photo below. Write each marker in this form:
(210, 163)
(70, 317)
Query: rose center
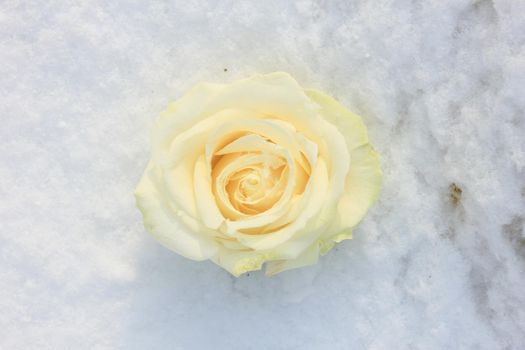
(252, 174)
(256, 189)
(250, 184)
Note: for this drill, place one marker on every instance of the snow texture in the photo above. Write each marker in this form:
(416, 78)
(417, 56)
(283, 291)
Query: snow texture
(439, 262)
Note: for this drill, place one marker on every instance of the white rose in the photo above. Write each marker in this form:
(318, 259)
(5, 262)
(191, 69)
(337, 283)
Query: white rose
(259, 170)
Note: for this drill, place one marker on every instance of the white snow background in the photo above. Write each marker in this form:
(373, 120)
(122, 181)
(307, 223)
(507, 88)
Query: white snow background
(440, 85)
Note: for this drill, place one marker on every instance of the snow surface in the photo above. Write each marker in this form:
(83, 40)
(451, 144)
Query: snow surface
(440, 85)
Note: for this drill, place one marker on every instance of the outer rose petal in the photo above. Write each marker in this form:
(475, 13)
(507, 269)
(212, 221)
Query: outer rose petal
(309, 257)
(348, 123)
(275, 94)
(169, 228)
(239, 262)
(303, 250)
(362, 187)
(363, 181)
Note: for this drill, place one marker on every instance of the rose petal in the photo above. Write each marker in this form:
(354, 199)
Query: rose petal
(311, 209)
(239, 262)
(309, 257)
(272, 214)
(275, 94)
(206, 205)
(349, 124)
(174, 229)
(272, 129)
(362, 187)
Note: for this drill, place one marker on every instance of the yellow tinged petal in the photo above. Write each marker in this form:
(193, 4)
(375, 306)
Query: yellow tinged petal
(239, 262)
(204, 198)
(309, 257)
(362, 186)
(349, 124)
(178, 181)
(347, 234)
(174, 229)
(180, 116)
(312, 207)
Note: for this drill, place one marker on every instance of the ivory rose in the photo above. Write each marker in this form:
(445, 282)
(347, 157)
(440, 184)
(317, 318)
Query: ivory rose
(257, 171)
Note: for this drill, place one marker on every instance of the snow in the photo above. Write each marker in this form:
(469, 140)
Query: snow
(440, 86)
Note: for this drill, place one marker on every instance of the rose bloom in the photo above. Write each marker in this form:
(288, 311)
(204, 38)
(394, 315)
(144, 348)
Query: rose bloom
(257, 171)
